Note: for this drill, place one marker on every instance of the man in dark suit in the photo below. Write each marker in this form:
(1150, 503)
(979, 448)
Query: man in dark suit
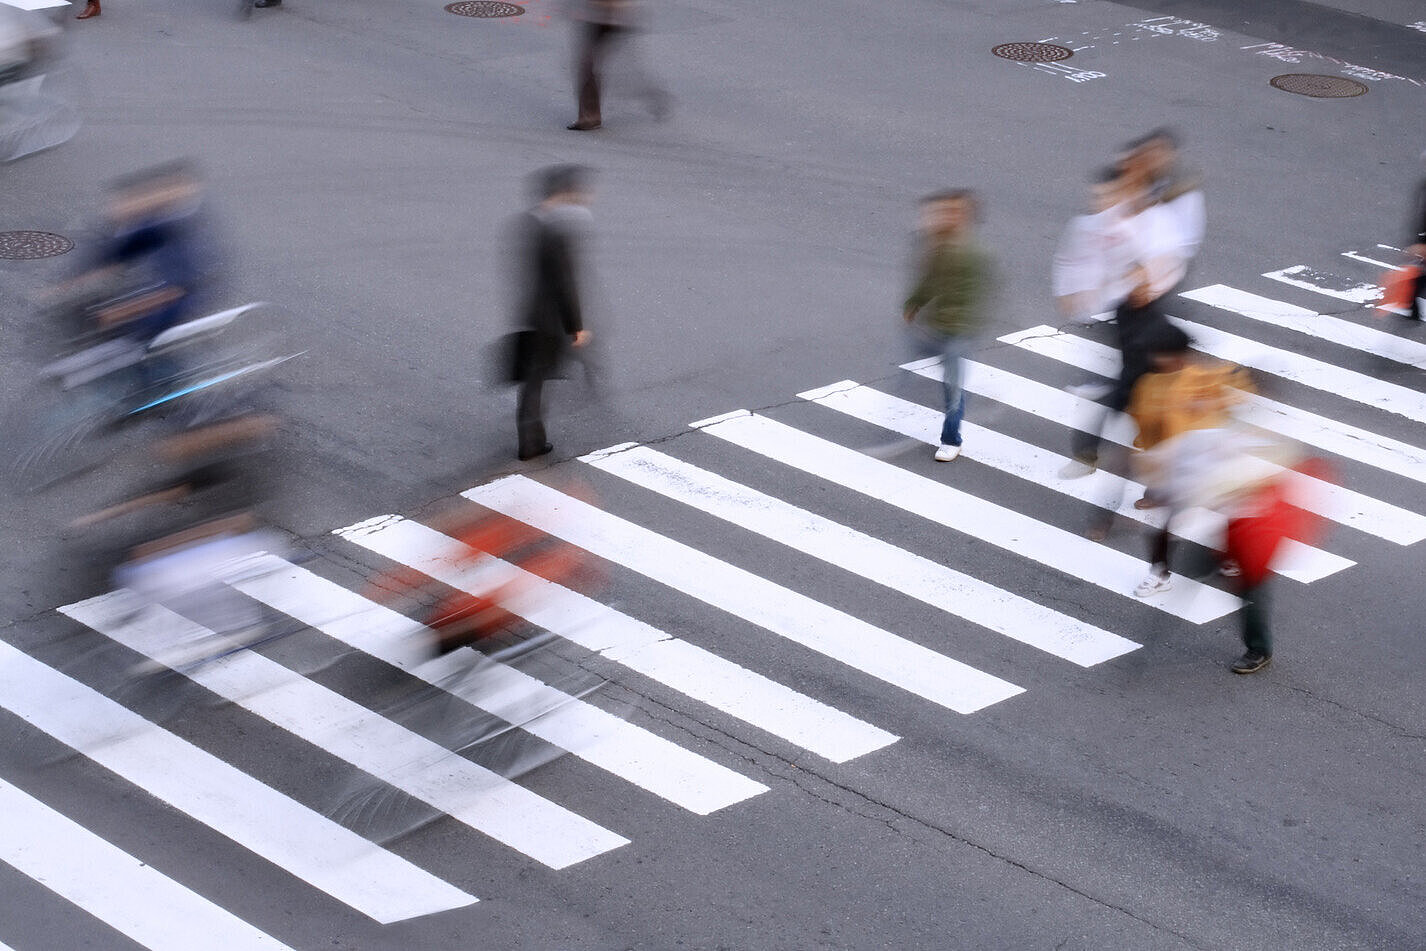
(549, 300)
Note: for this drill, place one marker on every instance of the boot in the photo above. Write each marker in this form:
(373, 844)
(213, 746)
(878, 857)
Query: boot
(91, 9)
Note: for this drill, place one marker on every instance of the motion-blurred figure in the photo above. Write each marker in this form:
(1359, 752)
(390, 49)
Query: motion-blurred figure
(1092, 261)
(1181, 393)
(948, 304)
(1138, 320)
(156, 233)
(601, 25)
(549, 317)
(32, 116)
(1168, 208)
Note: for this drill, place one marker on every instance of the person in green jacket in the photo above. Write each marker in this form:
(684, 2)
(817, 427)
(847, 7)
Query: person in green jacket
(947, 306)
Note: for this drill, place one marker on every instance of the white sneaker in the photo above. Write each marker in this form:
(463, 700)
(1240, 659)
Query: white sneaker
(1152, 585)
(1077, 469)
(1089, 391)
(947, 452)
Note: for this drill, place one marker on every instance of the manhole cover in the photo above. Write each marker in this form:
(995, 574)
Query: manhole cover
(484, 9)
(1032, 52)
(28, 245)
(1318, 86)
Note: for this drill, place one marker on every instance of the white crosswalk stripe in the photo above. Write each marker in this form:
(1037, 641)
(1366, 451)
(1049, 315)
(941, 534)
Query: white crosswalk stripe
(475, 796)
(861, 554)
(1005, 528)
(798, 618)
(1342, 505)
(600, 738)
(1299, 562)
(687, 668)
(329, 857)
(1311, 323)
(127, 895)
(1329, 285)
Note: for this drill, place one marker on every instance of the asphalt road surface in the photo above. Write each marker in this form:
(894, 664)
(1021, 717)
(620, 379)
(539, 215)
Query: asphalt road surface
(851, 703)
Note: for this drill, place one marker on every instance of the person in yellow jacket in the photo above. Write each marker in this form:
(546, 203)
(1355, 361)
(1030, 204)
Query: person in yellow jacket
(1184, 393)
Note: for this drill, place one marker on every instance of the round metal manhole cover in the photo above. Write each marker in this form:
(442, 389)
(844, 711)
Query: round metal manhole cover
(1032, 52)
(1319, 86)
(29, 245)
(484, 9)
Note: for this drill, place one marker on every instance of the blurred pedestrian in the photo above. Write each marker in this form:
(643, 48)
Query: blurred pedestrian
(1092, 260)
(1180, 398)
(948, 304)
(600, 26)
(549, 317)
(1417, 249)
(1169, 208)
(1138, 320)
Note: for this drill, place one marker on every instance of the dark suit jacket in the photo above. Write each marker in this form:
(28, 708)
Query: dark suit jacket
(549, 299)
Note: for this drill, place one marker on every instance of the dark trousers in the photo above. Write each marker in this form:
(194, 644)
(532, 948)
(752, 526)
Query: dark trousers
(529, 414)
(595, 45)
(1134, 327)
(1418, 291)
(1254, 617)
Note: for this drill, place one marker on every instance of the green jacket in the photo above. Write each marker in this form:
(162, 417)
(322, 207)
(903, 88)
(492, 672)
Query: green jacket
(953, 293)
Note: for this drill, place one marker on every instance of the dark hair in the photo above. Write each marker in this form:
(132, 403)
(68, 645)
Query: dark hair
(1170, 338)
(559, 179)
(1163, 134)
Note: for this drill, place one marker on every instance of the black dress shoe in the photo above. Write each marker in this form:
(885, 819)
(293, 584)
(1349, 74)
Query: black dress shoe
(527, 454)
(267, 3)
(582, 126)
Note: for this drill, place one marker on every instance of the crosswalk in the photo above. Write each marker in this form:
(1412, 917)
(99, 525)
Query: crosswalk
(743, 476)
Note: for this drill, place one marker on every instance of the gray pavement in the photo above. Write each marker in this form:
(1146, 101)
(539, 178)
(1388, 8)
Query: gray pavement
(364, 157)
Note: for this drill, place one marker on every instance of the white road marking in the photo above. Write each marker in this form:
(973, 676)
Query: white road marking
(685, 667)
(902, 663)
(1329, 285)
(1297, 561)
(1340, 504)
(594, 735)
(329, 857)
(1311, 323)
(113, 886)
(880, 561)
(470, 794)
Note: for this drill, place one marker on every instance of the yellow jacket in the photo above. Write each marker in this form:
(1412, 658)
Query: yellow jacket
(1198, 396)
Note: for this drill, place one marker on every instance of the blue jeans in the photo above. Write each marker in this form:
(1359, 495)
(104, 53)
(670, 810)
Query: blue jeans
(924, 342)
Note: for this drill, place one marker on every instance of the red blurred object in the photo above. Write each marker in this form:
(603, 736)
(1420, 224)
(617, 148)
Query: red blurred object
(1398, 288)
(1266, 518)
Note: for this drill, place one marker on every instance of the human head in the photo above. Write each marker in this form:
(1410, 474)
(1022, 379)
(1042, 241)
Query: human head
(1169, 348)
(949, 213)
(562, 184)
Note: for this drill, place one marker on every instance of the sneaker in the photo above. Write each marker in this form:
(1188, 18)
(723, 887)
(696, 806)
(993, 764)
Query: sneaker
(947, 452)
(1230, 568)
(1078, 469)
(1089, 391)
(1251, 662)
(1152, 585)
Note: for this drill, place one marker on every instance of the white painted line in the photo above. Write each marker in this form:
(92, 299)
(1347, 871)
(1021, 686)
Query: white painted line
(1340, 504)
(1327, 377)
(872, 558)
(1329, 285)
(594, 735)
(902, 663)
(1299, 562)
(1304, 321)
(1366, 260)
(952, 591)
(113, 886)
(329, 857)
(685, 667)
(483, 800)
